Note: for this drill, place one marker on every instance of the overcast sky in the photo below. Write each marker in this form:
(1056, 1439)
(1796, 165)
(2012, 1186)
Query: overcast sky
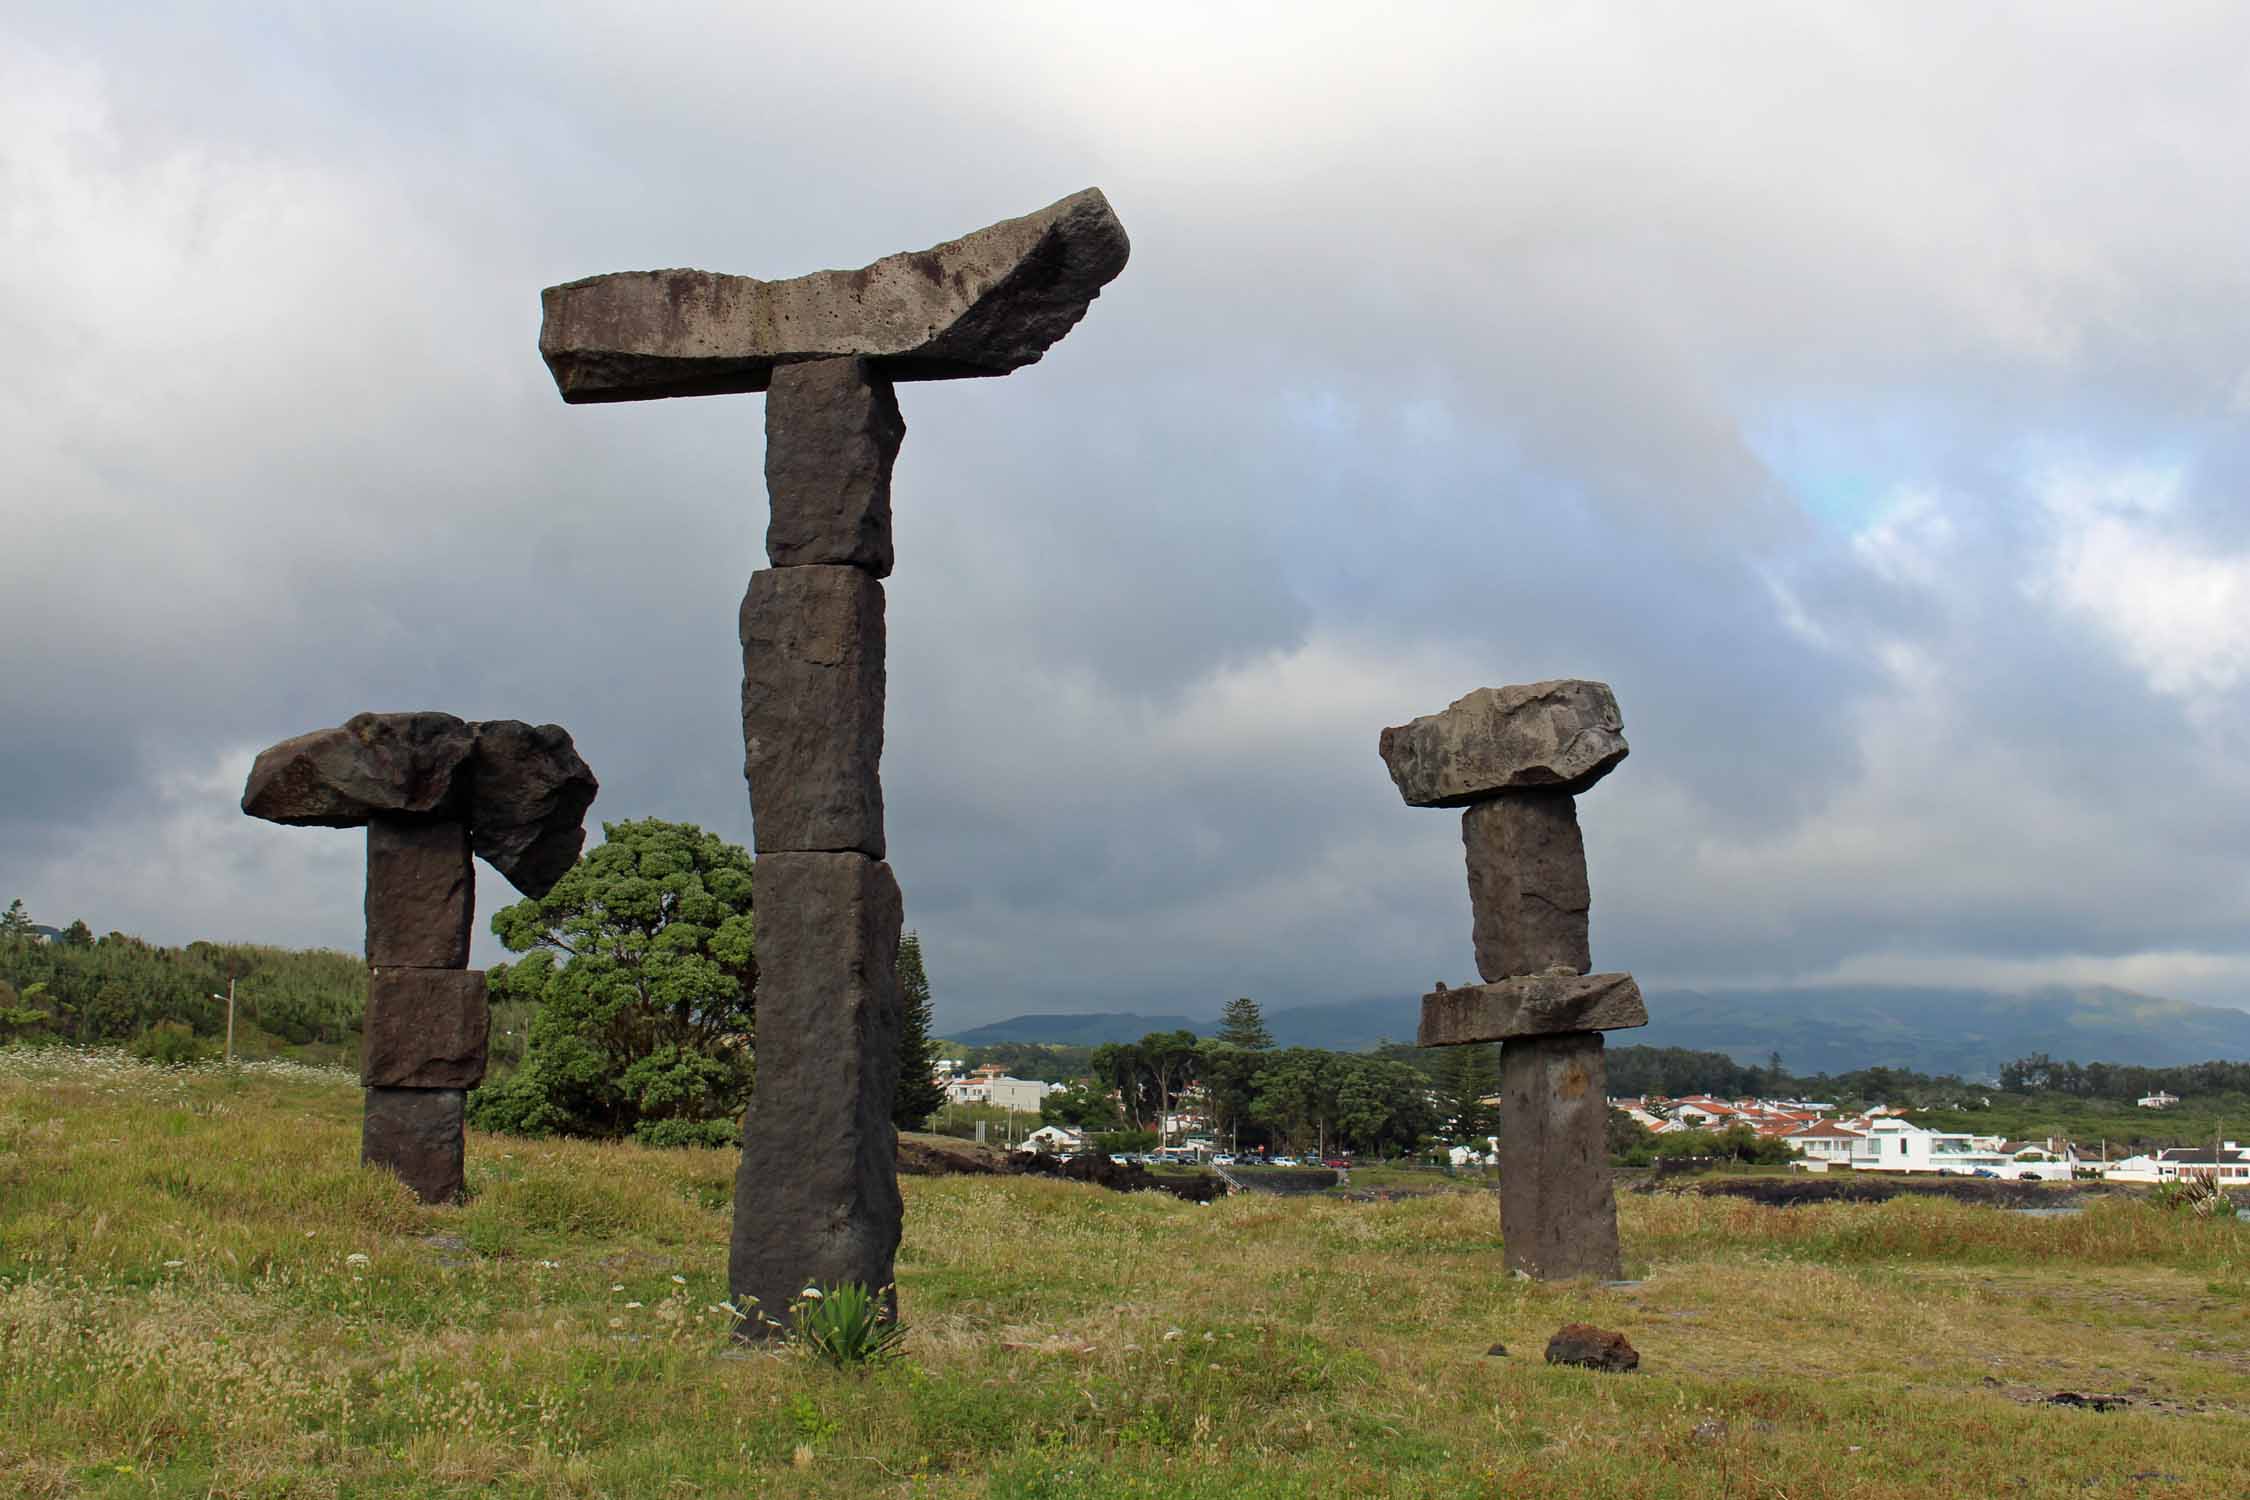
(1862, 391)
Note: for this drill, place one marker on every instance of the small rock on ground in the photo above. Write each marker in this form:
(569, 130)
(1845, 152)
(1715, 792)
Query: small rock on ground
(1593, 1348)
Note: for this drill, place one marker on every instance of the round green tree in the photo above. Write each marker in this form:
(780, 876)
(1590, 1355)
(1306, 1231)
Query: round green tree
(640, 972)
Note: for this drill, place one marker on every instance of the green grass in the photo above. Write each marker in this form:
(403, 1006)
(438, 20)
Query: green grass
(184, 1312)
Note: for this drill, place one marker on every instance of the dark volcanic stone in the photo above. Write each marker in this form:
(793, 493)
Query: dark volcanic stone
(421, 893)
(402, 764)
(1594, 1348)
(812, 710)
(417, 1134)
(1558, 1216)
(983, 304)
(1102, 1170)
(530, 796)
(1558, 736)
(832, 431)
(1535, 1005)
(816, 1200)
(1527, 885)
(426, 1029)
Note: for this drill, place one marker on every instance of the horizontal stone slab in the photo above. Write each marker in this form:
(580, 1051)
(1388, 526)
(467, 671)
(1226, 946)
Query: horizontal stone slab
(370, 766)
(1532, 1005)
(426, 1029)
(1557, 736)
(984, 304)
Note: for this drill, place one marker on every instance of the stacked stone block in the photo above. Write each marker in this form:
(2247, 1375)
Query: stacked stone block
(431, 791)
(816, 1199)
(1516, 758)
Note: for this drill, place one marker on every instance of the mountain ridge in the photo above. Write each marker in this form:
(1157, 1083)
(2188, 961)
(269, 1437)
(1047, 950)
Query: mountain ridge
(1825, 1029)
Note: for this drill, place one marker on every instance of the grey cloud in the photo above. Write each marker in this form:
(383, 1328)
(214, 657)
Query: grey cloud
(1452, 350)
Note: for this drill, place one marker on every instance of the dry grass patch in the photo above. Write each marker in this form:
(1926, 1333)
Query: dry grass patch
(201, 1294)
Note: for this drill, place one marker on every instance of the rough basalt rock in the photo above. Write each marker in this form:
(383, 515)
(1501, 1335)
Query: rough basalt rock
(425, 1029)
(373, 765)
(528, 808)
(417, 1134)
(812, 710)
(1558, 1215)
(1527, 885)
(522, 789)
(1557, 736)
(1593, 1348)
(1531, 1005)
(421, 893)
(985, 304)
(832, 432)
(816, 1200)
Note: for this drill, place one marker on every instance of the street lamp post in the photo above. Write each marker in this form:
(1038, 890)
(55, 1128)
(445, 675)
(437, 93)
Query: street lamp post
(229, 998)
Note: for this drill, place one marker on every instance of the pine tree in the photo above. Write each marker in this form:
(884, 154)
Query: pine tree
(918, 1096)
(1240, 1025)
(1467, 1077)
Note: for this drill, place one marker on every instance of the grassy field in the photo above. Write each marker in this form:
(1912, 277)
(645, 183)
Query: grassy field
(201, 1294)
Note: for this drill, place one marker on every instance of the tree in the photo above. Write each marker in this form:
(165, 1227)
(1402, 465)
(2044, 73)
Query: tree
(1241, 1025)
(1169, 1057)
(642, 971)
(1229, 1075)
(15, 922)
(1084, 1105)
(918, 1095)
(1467, 1077)
(1118, 1066)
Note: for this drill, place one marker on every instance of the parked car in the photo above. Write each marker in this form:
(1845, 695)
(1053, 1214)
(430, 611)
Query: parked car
(1336, 1161)
(1282, 1161)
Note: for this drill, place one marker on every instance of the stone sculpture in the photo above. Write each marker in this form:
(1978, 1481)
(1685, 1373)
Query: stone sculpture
(431, 790)
(816, 1198)
(1515, 758)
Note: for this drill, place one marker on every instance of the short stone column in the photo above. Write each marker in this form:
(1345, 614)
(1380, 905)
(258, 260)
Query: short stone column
(1515, 758)
(431, 790)
(423, 1044)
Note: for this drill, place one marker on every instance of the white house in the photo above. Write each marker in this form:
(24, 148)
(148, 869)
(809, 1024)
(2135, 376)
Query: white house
(1894, 1145)
(1055, 1140)
(2230, 1164)
(1824, 1145)
(2157, 1100)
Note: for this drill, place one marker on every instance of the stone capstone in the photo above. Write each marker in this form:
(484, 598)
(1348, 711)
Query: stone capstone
(816, 1198)
(1560, 736)
(1558, 1215)
(812, 711)
(1530, 1005)
(1595, 1349)
(426, 1029)
(1527, 885)
(528, 811)
(521, 789)
(417, 1134)
(397, 764)
(421, 893)
(832, 432)
(984, 304)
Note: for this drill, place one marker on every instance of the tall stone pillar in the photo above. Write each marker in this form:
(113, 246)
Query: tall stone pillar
(816, 1196)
